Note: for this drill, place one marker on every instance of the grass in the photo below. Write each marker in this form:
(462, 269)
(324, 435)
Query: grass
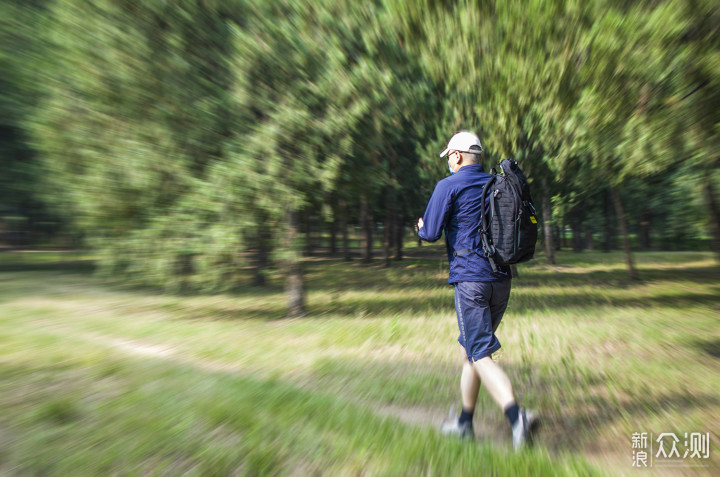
(96, 379)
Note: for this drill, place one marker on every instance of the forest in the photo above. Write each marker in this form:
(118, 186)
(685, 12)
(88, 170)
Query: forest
(185, 143)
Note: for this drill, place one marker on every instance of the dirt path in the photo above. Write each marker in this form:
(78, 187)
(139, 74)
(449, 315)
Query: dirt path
(415, 416)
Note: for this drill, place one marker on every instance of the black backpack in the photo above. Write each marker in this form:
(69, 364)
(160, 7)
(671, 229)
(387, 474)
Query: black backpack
(508, 223)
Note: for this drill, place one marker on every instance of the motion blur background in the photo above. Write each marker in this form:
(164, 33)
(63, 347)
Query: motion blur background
(171, 136)
(203, 147)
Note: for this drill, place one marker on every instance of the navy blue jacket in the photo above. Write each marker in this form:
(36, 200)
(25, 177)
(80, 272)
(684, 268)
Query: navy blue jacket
(455, 209)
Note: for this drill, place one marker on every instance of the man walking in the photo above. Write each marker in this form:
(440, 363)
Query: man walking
(481, 295)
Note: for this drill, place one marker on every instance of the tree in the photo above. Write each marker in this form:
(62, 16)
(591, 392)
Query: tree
(186, 140)
(21, 24)
(133, 112)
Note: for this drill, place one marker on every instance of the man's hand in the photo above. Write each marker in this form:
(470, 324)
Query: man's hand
(420, 223)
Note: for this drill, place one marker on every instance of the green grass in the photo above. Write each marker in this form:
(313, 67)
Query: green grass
(96, 379)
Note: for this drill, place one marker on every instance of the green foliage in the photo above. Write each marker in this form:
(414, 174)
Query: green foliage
(180, 138)
(20, 169)
(134, 110)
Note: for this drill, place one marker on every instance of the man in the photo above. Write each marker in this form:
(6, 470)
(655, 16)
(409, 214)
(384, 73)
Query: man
(481, 295)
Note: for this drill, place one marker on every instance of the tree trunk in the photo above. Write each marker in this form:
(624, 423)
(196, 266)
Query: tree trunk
(333, 237)
(366, 227)
(556, 238)
(333, 227)
(622, 224)
(347, 253)
(316, 229)
(369, 221)
(714, 213)
(294, 285)
(399, 236)
(258, 279)
(609, 232)
(576, 225)
(260, 254)
(362, 218)
(184, 269)
(547, 223)
(589, 243)
(388, 236)
(260, 259)
(306, 230)
(644, 235)
(387, 239)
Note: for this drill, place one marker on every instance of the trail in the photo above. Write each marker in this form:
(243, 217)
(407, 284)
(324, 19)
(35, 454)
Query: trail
(415, 416)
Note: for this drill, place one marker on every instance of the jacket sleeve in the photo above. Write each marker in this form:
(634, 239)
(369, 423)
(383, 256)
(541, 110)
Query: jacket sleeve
(436, 213)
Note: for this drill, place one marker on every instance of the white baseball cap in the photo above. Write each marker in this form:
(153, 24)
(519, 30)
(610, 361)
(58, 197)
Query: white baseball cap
(464, 141)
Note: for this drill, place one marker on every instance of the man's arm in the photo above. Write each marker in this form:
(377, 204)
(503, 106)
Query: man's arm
(431, 224)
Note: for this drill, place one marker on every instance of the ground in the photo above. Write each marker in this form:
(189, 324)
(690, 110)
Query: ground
(96, 378)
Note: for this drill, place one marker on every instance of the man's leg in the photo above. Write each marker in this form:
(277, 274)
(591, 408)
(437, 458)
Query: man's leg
(498, 385)
(469, 387)
(479, 307)
(462, 426)
(501, 388)
(496, 381)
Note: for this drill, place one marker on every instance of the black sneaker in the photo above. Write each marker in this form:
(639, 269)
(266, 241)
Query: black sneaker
(523, 428)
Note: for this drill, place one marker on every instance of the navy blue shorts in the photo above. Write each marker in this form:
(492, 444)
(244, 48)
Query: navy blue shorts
(480, 307)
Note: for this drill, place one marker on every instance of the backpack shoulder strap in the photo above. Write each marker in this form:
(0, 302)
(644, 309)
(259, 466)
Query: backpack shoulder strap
(488, 248)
